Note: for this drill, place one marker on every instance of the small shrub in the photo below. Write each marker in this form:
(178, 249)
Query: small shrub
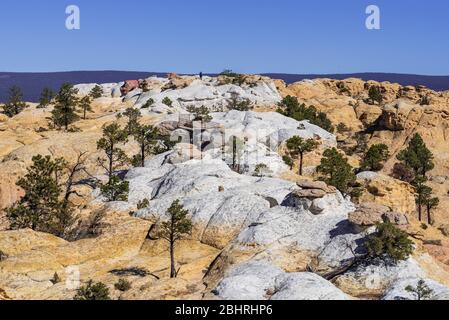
(143, 204)
(167, 101)
(421, 291)
(56, 279)
(288, 161)
(424, 226)
(148, 104)
(93, 291)
(115, 190)
(200, 113)
(3, 256)
(262, 170)
(290, 107)
(388, 244)
(402, 172)
(122, 285)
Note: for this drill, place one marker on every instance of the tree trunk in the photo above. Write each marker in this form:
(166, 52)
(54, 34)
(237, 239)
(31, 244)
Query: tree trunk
(419, 210)
(142, 150)
(111, 161)
(172, 259)
(301, 158)
(429, 217)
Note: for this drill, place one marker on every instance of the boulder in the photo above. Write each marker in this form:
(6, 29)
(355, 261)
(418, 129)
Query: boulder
(368, 214)
(262, 281)
(129, 86)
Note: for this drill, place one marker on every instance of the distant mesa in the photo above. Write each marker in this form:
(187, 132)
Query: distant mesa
(33, 83)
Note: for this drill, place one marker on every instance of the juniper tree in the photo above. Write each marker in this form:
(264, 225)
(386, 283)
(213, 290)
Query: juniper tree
(388, 244)
(173, 230)
(46, 97)
(96, 92)
(85, 106)
(112, 137)
(66, 104)
(298, 147)
(375, 157)
(14, 105)
(337, 171)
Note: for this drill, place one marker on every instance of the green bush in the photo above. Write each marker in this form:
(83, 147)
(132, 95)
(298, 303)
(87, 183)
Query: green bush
(122, 285)
(143, 204)
(93, 291)
(421, 291)
(167, 101)
(96, 92)
(388, 244)
(375, 157)
(337, 171)
(115, 189)
(148, 104)
(290, 107)
(15, 105)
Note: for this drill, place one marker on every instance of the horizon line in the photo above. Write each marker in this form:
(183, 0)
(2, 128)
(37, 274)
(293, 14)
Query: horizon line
(215, 73)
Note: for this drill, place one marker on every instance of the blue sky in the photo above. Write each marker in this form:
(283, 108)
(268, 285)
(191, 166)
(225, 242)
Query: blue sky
(188, 36)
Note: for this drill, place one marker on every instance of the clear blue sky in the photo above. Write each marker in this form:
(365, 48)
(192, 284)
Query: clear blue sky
(291, 36)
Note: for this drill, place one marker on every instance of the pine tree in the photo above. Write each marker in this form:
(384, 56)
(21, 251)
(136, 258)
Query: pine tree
(115, 189)
(14, 105)
(178, 225)
(298, 147)
(113, 136)
(337, 171)
(133, 116)
(66, 103)
(85, 105)
(417, 156)
(96, 92)
(374, 157)
(147, 137)
(40, 208)
(46, 97)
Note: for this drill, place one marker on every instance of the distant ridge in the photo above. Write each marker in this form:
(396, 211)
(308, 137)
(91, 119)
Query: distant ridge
(33, 83)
